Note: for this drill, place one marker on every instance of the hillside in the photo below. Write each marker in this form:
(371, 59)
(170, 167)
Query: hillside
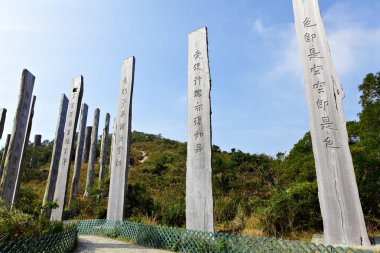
(253, 193)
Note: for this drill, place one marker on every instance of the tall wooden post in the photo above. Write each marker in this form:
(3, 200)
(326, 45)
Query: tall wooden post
(199, 200)
(87, 144)
(37, 140)
(56, 154)
(64, 163)
(18, 138)
(121, 144)
(92, 158)
(104, 149)
(79, 153)
(342, 214)
(19, 171)
(4, 155)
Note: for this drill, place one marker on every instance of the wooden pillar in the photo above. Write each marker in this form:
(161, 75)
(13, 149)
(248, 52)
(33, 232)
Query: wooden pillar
(199, 200)
(342, 214)
(121, 144)
(75, 101)
(56, 154)
(18, 138)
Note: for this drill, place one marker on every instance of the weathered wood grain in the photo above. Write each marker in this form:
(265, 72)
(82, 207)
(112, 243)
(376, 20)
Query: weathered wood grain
(22, 164)
(87, 144)
(4, 155)
(121, 143)
(92, 158)
(18, 138)
(341, 210)
(199, 200)
(56, 154)
(79, 153)
(75, 101)
(104, 149)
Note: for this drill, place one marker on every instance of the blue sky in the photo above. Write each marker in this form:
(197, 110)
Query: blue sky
(258, 97)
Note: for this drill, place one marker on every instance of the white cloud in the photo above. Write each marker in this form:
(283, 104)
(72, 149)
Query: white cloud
(353, 43)
(354, 47)
(260, 28)
(289, 59)
(285, 53)
(353, 40)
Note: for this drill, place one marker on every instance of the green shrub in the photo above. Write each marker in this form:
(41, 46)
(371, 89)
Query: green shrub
(226, 209)
(297, 208)
(139, 202)
(223, 246)
(15, 224)
(100, 212)
(27, 201)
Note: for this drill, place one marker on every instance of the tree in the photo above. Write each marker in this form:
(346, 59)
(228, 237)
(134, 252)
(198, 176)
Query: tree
(370, 115)
(366, 153)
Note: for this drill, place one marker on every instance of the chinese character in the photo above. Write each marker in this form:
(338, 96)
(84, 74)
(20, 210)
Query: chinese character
(322, 104)
(119, 149)
(197, 80)
(198, 135)
(124, 91)
(329, 143)
(122, 126)
(71, 114)
(307, 23)
(198, 148)
(68, 131)
(70, 123)
(67, 141)
(310, 37)
(320, 86)
(123, 114)
(123, 102)
(316, 69)
(197, 66)
(314, 54)
(121, 138)
(197, 54)
(327, 124)
(198, 108)
(198, 93)
(125, 80)
(197, 120)
(118, 163)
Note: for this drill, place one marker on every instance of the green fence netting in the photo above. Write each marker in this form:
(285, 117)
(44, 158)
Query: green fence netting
(182, 240)
(56, 243)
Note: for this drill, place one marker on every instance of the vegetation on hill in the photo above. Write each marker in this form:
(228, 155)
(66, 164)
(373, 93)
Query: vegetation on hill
(253, 193)
(16, 224)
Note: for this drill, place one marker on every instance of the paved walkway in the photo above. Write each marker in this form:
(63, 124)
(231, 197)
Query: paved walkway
(101, 244)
